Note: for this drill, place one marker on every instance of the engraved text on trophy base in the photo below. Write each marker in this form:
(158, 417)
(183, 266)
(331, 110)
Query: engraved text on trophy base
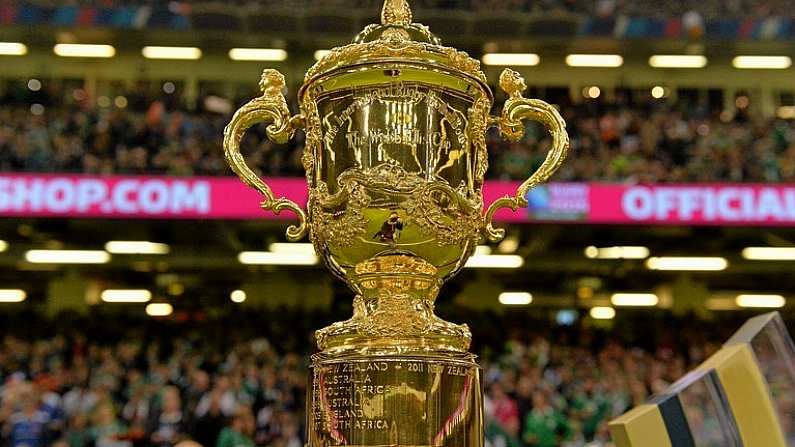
(420, 401)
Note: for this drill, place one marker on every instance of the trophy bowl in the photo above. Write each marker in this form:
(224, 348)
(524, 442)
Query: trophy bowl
(395, 159)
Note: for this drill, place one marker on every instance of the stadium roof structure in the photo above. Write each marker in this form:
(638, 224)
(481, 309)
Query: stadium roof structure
(290, 18)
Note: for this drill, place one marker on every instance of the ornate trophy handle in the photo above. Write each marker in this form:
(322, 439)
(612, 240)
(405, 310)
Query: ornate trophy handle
(270, 107)
(517, 108)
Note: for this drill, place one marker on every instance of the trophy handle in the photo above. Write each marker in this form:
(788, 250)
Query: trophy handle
(271, 108)
(517, 108)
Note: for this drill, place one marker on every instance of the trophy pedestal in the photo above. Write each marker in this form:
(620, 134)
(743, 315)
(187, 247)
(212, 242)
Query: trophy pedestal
(383, 399)
(395, 374)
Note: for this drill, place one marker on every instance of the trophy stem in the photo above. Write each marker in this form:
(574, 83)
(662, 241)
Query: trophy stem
(394, 312)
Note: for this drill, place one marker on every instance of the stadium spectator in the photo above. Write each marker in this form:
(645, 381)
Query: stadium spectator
(26, 426)
(106, 429)
(210, 424)
(239, 431)
(169, 425)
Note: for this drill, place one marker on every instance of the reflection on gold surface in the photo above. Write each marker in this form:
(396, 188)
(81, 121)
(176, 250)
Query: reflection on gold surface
(395, 159)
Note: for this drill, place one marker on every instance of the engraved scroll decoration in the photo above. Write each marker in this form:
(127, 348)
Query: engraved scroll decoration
(438, 210)
(516, 110)
(271, 108)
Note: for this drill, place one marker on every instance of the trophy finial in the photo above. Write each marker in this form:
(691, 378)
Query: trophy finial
(396, 12)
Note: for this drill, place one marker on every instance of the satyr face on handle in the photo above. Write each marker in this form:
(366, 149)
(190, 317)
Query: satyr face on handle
(272, 82)
(512, 83)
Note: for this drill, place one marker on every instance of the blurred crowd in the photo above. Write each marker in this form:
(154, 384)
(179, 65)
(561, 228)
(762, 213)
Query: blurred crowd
(650, 141)
(542, 394)
(119, 141)
(73, 390)
(81, 393)
(660, 143)
(596, 8)
(602, 8)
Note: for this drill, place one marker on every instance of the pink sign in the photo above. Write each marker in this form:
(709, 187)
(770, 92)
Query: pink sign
(752, 205)
(80, 196)
(138, 197)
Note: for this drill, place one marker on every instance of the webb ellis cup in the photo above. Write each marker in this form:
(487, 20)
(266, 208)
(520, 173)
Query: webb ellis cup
(395, 159)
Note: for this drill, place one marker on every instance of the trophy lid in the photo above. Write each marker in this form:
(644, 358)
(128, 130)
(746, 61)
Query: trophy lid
(398, 40)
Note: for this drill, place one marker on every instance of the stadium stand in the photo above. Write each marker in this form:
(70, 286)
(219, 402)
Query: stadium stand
(615, 142)
(85, 384)
(737, 19)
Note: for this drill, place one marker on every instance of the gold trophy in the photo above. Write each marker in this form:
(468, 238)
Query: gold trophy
(395, 160)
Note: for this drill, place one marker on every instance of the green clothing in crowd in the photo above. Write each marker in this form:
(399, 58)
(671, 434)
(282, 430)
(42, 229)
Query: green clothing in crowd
(594, 411)
(232, 438)
(494, 432)
(542, 428)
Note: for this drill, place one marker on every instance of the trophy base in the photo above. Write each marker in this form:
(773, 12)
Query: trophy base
(430, 399)
(385, 331)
